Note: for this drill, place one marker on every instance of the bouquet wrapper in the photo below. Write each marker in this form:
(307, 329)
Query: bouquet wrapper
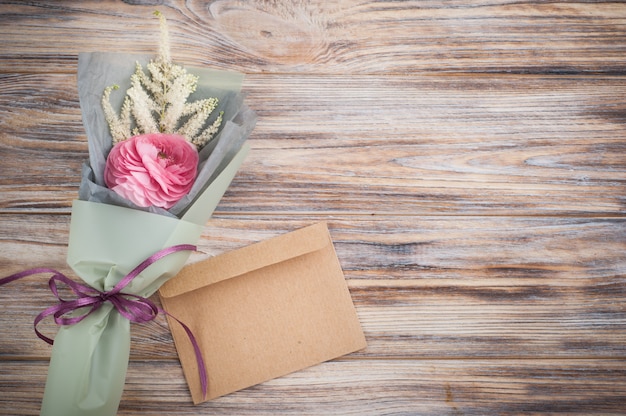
(109, 236)
(89, 360)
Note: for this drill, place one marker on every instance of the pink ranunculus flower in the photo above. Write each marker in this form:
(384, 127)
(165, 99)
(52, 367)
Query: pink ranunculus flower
(152, 169)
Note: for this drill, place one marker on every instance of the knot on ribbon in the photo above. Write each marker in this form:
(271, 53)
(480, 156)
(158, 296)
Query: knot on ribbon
(133, 307)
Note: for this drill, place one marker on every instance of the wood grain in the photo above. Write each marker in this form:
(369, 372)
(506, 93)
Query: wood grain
(425, 145)
(366, 387)
(434, 287)
(321, 37)
(469, 158)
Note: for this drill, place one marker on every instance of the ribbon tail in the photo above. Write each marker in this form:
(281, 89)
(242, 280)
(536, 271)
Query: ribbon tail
(26, 273)
(202, 372)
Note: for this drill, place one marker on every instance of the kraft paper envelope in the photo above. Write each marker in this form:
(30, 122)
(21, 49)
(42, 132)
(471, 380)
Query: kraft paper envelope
(263, 311)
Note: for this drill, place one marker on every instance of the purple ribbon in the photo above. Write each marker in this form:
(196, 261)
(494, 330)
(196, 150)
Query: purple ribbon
(135, 308)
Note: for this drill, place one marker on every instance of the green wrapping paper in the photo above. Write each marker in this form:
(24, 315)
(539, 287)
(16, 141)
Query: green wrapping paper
(109, 237)
(89, 360)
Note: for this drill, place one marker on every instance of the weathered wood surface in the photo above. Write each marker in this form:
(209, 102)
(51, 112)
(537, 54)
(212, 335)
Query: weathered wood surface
(376, 387)
(427, 288)
(346, 36)
(469, 158)
(522, 145)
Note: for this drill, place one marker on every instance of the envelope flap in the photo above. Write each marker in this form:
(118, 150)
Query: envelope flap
(247, 259)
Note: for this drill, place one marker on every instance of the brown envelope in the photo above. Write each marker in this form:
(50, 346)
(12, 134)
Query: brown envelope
(263, 311)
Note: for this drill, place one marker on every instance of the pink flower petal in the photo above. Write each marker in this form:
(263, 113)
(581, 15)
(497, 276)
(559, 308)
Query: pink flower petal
(152, 169)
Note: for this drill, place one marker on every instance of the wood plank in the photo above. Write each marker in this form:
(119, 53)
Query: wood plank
(427, 287)
(317, 37)
(363, 387)
(468, 250)
(468, 157)
(513, 145)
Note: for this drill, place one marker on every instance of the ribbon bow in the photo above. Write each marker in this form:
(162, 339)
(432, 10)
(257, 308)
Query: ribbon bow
(133, 307)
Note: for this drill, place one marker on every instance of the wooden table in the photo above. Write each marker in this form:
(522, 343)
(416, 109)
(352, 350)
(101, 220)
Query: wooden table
(468, 156)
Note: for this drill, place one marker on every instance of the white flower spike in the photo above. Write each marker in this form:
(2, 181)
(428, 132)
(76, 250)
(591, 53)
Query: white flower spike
(156, 102)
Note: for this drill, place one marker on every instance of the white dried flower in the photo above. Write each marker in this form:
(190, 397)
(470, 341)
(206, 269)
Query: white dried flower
(157, 101)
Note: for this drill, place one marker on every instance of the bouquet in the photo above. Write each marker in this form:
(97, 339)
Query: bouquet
(160, 158)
